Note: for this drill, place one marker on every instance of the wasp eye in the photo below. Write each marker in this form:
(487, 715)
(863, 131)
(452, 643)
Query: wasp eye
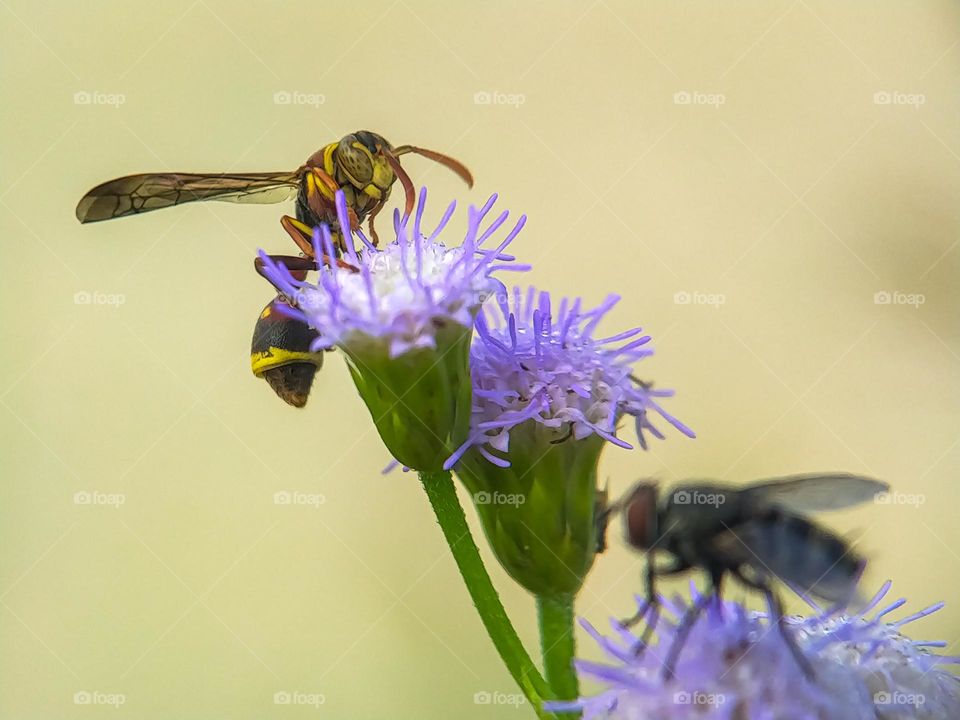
(354, 160)
(370, 141)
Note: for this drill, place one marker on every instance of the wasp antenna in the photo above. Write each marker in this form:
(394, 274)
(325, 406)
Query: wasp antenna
(448, 162)
(404, 180)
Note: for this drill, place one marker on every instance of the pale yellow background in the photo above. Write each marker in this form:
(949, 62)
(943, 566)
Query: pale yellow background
(795, 201)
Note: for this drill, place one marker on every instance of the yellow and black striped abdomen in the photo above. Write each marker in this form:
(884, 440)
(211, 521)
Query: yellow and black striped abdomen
(280, 353)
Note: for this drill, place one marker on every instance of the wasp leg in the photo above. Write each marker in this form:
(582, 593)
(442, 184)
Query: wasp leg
(299, 266)
(776, 609)
(321, 191)
(300, 233)
(374, 238)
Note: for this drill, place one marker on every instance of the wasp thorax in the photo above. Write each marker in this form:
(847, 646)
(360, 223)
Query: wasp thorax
(640, 516)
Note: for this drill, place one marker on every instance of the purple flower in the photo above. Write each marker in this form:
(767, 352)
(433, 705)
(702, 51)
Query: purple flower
(736, 665)
(535, 363)
(400, 294)
(403, 316)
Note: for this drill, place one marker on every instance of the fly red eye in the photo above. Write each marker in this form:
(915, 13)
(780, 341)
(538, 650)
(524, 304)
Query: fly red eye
(640, 516)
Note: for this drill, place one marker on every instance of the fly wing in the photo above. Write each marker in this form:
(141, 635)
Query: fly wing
(801, 554)
(135, 194)
(814, 492)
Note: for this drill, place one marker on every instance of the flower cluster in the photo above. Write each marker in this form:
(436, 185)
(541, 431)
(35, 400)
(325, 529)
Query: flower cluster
(735, 664)
(533, 363)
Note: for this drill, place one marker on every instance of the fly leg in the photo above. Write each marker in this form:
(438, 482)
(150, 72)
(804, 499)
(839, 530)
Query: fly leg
(776, 610)
(652, 603)
(687, 623)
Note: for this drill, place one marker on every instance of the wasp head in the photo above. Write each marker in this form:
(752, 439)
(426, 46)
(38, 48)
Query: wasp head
(362, 160)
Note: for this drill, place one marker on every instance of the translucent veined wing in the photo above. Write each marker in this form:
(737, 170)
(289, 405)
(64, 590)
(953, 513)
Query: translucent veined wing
(803, 555)
(135, 194)
(814, 492)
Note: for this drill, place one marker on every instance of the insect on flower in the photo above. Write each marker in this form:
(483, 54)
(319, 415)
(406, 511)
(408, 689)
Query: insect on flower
(363, 166)
(867, 668)
(756, 534)
(403, 315)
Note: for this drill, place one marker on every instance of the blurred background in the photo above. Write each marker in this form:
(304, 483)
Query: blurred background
(771, 186)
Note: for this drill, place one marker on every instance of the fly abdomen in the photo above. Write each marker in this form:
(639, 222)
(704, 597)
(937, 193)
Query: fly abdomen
(800, 553)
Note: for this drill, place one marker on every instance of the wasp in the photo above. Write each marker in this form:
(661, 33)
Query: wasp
(362, 165)
(757, 534)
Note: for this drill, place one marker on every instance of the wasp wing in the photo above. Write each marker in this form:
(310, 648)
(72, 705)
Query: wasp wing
(135, 194)
(814, 492)
(803, 555)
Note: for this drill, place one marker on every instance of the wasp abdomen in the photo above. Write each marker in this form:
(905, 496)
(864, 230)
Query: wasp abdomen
(280, 353)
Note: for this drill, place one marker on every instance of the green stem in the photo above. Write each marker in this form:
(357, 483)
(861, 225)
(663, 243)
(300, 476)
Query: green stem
(555, 614)
(446, 506)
